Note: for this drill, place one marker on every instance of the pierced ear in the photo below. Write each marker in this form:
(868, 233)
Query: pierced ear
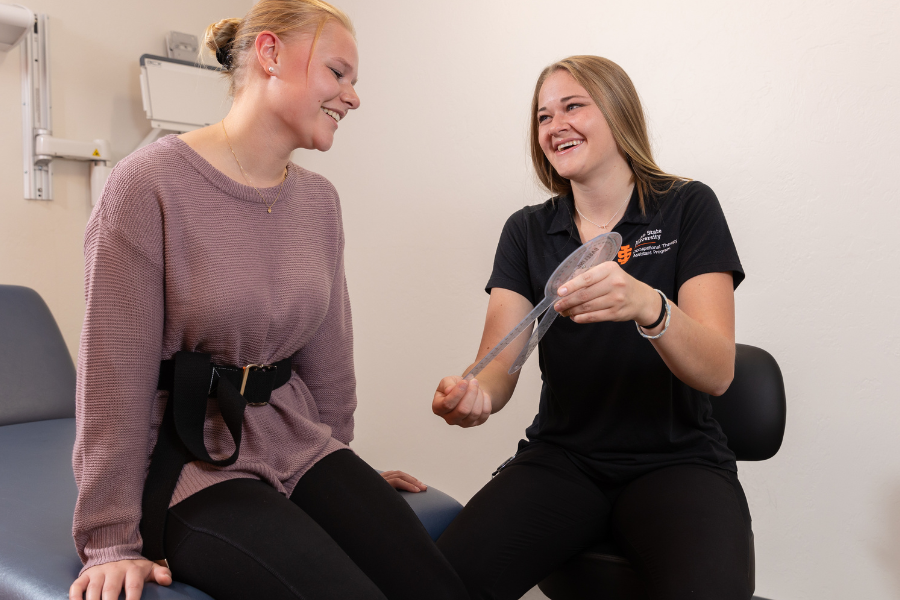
(268, 49)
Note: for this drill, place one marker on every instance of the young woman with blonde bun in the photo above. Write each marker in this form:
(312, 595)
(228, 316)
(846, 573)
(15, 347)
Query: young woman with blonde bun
(216, 386)
(624, 443)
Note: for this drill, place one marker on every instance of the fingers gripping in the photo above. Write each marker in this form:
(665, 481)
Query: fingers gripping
(107, 581)
(586, 279)
(76, 590)
(469, 408)
(581, 288)
(605, 293)
(159, 574)
(447, 396)
(134, 581)
(403, 481)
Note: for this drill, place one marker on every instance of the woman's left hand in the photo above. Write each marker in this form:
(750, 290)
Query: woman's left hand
(404, 481)
(607, 293)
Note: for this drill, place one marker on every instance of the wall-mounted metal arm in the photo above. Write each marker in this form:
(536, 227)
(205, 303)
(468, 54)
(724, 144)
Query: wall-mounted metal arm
(40, 147)
(46, 148)
(36, 108)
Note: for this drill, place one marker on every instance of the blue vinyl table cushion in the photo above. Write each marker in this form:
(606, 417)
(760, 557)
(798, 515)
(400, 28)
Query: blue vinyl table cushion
(37, 499)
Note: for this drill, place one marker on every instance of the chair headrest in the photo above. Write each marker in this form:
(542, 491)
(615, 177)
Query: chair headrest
(753, 411)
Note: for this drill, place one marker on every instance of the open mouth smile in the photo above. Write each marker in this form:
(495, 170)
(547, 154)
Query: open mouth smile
(568, 146)
(333, 114)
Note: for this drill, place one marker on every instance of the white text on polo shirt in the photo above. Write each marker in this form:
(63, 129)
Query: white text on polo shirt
(651, 248)
(651, 235)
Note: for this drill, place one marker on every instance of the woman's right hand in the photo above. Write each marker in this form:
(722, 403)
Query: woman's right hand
(105, 582)
(461, 402)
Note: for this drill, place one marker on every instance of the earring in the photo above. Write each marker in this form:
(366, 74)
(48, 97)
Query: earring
(271, 69)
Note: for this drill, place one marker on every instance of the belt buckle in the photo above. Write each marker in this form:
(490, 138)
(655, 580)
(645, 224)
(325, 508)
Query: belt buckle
(247, 370)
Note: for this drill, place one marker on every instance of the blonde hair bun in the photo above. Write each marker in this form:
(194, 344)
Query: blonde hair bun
(221, 34)
(232, 40)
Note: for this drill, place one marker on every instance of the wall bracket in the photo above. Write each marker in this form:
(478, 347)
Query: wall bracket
(40, 148)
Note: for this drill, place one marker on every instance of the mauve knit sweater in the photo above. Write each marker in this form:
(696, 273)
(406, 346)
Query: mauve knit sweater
(179, 256)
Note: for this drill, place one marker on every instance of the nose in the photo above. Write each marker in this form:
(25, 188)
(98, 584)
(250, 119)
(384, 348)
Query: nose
(350, 98)
(558, 127)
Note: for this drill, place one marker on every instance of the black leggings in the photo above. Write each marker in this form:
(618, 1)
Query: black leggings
(685, 528)
(344, 533)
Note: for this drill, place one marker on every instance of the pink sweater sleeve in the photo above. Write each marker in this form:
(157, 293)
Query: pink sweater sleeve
(325, 364)
(118, 362)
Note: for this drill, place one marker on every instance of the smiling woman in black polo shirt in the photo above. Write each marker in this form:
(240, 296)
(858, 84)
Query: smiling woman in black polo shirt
(624, 443)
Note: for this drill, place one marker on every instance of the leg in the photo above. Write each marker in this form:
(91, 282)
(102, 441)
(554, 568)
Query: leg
(241, 539)
(376, 528)
(538, 512)
(687, 530)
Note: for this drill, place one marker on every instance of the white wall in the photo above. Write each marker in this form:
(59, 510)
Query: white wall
(95, 49)
(787, 109)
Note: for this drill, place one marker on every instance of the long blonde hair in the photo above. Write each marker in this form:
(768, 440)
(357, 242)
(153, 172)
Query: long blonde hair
(613, 92)
(234, 38)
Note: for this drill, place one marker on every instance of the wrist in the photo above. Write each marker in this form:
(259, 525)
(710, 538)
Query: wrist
(653, 307)
(497, 384)
(665, 317)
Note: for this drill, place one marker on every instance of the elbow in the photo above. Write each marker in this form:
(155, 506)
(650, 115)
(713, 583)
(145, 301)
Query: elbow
(720, 389)
(722, 383)
(723, 373)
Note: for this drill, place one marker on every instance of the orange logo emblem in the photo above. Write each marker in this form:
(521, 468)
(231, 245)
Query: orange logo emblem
(624, 254)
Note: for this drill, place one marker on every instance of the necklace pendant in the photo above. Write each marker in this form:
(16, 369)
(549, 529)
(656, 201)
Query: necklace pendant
(270, 211)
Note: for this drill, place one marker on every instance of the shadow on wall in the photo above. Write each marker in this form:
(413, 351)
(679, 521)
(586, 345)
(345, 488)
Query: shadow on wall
(887, 550)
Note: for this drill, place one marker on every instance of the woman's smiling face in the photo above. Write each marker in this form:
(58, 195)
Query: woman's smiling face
(572, 131)
(316, 90)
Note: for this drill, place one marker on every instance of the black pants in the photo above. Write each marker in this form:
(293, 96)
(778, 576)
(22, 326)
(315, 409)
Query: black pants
(685, 528)
(344, 533)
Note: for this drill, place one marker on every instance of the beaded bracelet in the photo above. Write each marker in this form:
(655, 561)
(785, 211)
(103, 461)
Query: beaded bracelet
(668, 310)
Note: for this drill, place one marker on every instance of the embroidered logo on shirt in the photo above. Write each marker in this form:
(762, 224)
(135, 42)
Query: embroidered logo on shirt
(624, 254)
(650, 243)
(651, 236)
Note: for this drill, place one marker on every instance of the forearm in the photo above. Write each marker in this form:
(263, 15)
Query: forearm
(698, 346)
(505, 309)
(697, 355)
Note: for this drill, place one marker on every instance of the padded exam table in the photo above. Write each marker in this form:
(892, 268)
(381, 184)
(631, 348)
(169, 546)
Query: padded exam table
(37, 488)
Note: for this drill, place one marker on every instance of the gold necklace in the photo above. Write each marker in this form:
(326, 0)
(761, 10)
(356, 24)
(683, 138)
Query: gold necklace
(247, 179)
(610, 219)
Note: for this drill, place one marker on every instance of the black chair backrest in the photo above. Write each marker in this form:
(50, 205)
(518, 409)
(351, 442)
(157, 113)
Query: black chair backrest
(753, 411)
(37, 376)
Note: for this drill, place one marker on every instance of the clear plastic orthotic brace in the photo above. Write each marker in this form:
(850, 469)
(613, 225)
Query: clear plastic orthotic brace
(602, 248)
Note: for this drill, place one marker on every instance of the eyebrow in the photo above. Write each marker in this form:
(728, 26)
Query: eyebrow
(348, 66)
(563, 101)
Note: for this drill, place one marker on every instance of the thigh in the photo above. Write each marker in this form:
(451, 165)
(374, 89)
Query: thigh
(538, 512)
(687, 530)
(375, 526)
(241, 539)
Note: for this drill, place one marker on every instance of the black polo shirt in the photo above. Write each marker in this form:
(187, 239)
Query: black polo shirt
(608, 398)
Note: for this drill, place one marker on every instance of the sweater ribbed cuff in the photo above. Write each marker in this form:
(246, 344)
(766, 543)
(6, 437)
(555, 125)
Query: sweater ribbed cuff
(111, 543)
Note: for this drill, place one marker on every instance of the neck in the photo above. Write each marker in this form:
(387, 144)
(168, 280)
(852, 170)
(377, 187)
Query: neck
(604, 192)
(261, 146)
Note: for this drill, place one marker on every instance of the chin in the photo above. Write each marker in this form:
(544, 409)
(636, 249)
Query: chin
(323, 144)
(567, 173)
